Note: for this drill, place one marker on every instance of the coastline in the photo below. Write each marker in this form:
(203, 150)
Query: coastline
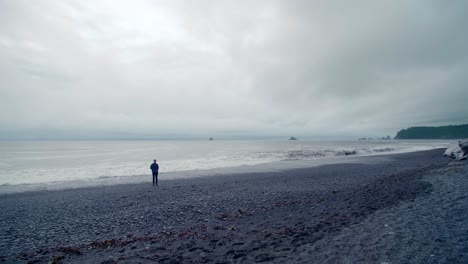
(267, 167)
(292, 215)
(29, 166)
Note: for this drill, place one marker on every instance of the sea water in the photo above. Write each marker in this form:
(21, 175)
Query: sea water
(28, 165)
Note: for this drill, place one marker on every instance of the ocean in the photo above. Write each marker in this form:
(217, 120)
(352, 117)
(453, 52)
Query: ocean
(32, 165)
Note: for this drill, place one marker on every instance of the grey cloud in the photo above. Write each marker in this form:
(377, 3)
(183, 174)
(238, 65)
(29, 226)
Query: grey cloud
(310, 68)
(373, 52)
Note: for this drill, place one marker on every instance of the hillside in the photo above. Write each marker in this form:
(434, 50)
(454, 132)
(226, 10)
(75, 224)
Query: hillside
(442, 132)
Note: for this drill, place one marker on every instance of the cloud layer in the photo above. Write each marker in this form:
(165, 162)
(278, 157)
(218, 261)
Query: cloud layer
(108, 69)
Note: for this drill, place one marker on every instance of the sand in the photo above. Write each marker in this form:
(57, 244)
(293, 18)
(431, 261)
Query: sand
(404, 208)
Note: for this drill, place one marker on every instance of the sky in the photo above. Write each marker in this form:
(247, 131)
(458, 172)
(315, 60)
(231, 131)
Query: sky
(230, 69)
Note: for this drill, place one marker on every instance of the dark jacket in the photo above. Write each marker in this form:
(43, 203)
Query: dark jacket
(154, 167)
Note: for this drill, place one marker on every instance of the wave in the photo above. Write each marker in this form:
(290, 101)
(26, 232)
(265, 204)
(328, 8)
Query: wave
(306, 154)
(299, 154)
(190, 160)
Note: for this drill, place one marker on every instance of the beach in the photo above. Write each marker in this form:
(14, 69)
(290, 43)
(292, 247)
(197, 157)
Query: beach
(396, 208)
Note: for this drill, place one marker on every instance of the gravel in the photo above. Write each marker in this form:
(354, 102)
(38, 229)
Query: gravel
(289, 216)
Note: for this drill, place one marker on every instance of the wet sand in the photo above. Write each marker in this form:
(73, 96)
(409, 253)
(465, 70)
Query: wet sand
(402, 208)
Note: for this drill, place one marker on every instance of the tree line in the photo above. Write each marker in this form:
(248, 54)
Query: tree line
(442, 132)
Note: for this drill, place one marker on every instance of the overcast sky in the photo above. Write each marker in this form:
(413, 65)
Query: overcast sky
(116, 69)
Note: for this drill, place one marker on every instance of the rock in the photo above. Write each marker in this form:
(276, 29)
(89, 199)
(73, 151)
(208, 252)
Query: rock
(174, 261)
(457, 151)
(109, 261)
(464, 147)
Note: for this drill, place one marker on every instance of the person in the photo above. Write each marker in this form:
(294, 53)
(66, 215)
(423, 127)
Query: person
(155, 169)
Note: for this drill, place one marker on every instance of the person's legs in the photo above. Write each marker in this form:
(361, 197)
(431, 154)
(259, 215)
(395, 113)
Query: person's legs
(156, 177)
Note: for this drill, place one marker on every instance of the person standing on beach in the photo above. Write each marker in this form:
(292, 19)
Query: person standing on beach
(155, 169)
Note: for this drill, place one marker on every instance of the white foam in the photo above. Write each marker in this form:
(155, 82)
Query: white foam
(43, 163)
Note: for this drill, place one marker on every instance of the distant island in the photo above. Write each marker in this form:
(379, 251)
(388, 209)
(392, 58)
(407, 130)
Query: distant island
(442, 132)
(292, 138)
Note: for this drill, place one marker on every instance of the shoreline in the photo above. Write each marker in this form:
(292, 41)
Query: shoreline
(270, 167)
(70, 164)
(274, 217)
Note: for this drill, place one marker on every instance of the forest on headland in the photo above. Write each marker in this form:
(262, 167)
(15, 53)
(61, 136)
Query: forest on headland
(442, 132)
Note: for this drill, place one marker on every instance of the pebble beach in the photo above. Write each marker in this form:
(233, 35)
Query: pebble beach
(399, 208)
